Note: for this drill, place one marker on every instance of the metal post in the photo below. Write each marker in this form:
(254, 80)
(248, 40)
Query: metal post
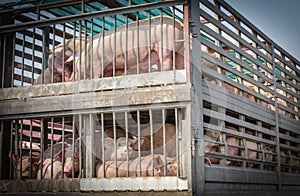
(197, 116)
(276, 119)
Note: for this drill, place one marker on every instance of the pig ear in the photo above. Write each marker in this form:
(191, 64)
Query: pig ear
(108, 143)
(73, 57)
(70, 59)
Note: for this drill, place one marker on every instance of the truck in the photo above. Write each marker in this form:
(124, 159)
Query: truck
(144, 97)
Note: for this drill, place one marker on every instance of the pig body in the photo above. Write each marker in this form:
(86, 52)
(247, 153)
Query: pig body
(122, 150)
(22, 168)
(283, 158)
(70, 161)
(211, 147)
(232, 150)
(137, 168)
(294, 160)
(252, 154)
(158, 141)
(45, 168)
(268, 150)
(161, 50)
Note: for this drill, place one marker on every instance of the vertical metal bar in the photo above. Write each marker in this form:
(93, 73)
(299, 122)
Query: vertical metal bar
(17, 152)
(73, 146)
(91, 48)
(115, 143)
(138, 44)
(53, 56)
(176, 139)
(11, 147)
(80, 50)
(126, 47)
(42, 146)
(139, 141)
(20, 142)
(193, 11)
(164, 141)
(276, 120)
(151, 139)
(52, 144)
(149, 42)
(1, 146)
(161, 42)
(23, 58)
(86, 141)
(81, 155)
(63, 54)
(44, 51)
(186, 34)
(3, 62)
(126, 129)
(30, 148)
(32, 55)
(63, 144)
(115, 46)
(13, 61)
(92, 128)
(102, 51)
(74, 42)
(174, 42)
(102, 142)
(85, 50)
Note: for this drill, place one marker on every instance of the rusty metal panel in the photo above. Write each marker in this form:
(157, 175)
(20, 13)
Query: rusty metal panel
(73, 102)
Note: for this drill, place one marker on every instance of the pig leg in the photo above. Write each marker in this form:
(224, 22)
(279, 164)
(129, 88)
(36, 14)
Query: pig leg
(166, 59)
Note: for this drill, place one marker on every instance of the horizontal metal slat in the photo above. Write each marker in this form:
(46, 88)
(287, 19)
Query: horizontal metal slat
(81, 101)
(134, 184)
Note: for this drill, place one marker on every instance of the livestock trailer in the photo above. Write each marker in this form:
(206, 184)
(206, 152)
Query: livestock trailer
(144, 97)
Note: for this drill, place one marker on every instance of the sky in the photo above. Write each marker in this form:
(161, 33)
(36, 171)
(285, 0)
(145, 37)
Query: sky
(278, 19)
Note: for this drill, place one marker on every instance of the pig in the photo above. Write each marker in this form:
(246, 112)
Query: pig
(267, 153)
(45, 168)
(122, 150)
(71, 160)
(158, 142)
(211, 147)
(252, 154)
(106, 44)
(70, 47)
(283, 157)
(294, 160)
(231, 150)
(134, 167)
(27, 171)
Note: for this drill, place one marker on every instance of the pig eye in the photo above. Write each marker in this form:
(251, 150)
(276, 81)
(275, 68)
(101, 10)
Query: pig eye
(119, 144)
